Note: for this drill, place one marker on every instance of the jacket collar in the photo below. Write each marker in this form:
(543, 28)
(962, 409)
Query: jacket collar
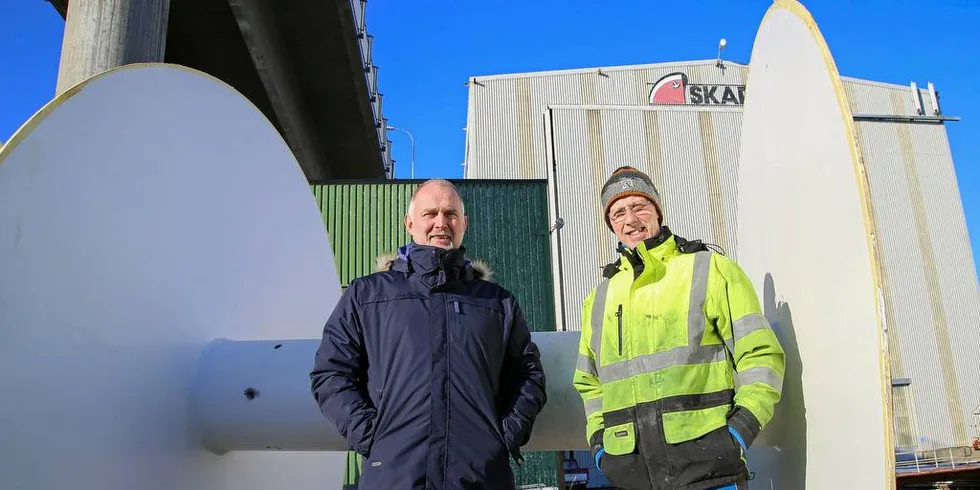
(658, 247)
(652, 250)
(434, 266)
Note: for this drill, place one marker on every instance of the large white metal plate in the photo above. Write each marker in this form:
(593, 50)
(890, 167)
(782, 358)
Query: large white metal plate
(805, 238)
(144, 213)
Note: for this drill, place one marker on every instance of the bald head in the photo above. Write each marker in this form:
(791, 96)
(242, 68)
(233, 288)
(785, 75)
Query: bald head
(436, 182)
(436, 215)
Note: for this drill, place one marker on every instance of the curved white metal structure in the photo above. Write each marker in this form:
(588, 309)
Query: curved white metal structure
(143, 214)
(806, 239)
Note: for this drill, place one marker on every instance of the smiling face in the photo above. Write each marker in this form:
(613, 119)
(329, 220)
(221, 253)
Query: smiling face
(634, 219)
(436, 216)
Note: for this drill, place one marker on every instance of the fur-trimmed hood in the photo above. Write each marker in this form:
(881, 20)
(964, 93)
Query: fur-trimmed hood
(481, 269)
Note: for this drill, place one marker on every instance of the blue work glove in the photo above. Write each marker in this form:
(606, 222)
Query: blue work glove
(738, 437)
(598, 456)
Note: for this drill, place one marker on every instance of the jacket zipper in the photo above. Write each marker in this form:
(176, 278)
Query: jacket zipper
(449, 370)
(619, 320)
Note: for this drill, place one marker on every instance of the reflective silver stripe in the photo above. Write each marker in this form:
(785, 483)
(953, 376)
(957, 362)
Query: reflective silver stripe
(592, 406)
(760, 374)
(598, 313)
(586, 364)
(699, 291)
(661, 360)
(748, 324)
(692, 353)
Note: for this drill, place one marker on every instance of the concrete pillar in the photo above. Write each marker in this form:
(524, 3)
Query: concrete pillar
(104, 34)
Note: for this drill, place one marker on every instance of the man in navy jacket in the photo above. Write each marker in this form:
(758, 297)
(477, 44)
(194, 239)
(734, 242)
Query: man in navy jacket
(427, 368)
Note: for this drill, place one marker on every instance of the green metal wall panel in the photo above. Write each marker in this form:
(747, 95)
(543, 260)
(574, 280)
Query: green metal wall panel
(363, 221)
(507, 228)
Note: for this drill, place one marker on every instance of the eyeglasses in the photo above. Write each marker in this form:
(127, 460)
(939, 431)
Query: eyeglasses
(640, 209)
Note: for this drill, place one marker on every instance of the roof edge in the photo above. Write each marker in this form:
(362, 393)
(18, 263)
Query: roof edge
(874, 83)
(614, 68)
(648, 66)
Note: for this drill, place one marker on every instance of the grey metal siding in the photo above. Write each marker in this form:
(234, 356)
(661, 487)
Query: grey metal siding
(585, 246)
(699, 194)
(932, 300)
(495, 123)
(698, 190)
(509, 108)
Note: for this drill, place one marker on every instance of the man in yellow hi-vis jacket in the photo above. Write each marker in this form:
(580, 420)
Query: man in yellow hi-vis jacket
(678, 368)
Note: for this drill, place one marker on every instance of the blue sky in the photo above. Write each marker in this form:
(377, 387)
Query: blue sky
(427, 50)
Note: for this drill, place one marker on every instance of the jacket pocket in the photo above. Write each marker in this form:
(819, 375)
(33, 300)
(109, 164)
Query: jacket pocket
(501, 433)
(362, 431)
(691, 424)
(478, 322)
(379, 415)
(619, 439)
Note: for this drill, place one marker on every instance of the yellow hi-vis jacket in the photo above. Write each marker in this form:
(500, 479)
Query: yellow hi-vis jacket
(675, 351)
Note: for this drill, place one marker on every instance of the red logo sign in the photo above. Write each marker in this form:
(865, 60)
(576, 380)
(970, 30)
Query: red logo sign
(674, 88)
(671, 89)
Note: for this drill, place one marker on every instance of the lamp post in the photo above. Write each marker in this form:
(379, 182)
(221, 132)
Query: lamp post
(412, 139)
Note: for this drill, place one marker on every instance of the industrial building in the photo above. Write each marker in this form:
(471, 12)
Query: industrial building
(680, 123)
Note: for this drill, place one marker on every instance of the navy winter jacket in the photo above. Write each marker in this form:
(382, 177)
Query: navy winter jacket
(429, 372)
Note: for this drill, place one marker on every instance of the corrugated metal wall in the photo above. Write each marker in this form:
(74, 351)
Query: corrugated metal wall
(507, 228)
(505, 137)
(698, 191)
(366, 220)
(930, 285)
(691, 152)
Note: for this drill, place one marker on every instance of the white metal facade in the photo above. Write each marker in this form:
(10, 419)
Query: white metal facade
(590, 121)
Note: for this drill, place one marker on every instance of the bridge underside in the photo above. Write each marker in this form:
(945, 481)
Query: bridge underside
(301, 63)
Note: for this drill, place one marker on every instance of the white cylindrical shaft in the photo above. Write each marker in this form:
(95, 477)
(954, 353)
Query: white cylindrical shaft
(103, 34)
(255, 395)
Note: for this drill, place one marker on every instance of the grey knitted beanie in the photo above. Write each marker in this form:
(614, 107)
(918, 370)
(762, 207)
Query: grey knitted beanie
(628, 181)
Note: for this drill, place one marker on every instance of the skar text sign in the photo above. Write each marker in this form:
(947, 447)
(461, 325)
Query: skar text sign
(674, 88)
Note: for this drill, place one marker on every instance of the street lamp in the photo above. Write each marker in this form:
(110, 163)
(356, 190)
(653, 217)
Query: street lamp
(412, 139)
(721, 45)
